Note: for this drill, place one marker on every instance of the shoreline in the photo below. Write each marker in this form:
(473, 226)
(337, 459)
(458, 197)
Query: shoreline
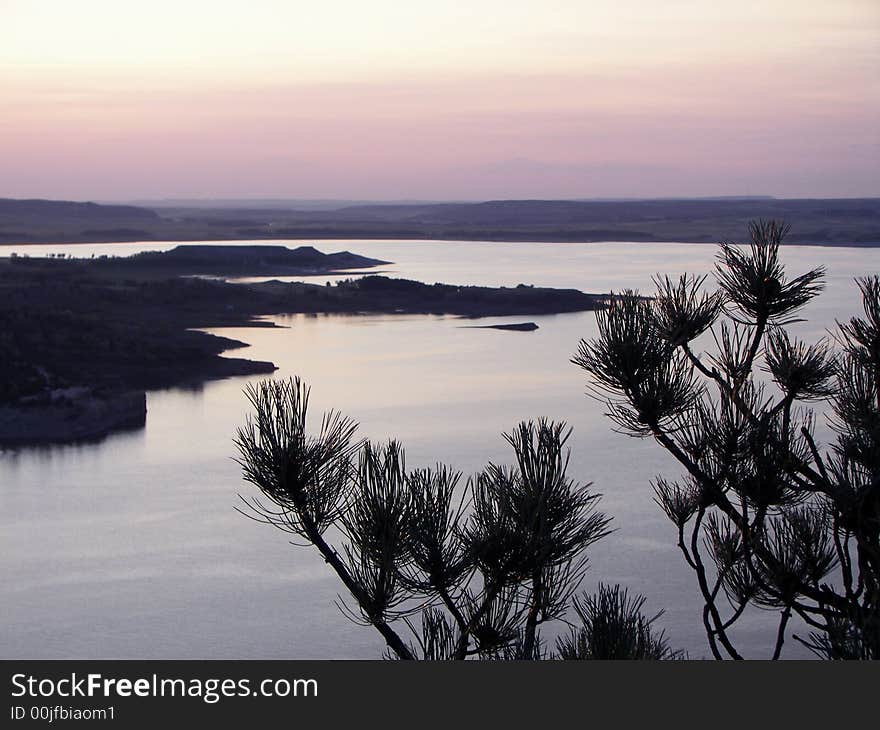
(127, 326)
(72, 417)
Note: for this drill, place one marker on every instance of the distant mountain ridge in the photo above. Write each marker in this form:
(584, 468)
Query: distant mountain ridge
(837, 221)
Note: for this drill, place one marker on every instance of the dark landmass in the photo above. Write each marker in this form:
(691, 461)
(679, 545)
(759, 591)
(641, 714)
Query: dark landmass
(843, 222)
(78, 334)
(516, 327)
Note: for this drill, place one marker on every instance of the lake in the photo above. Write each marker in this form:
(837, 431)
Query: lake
(132, 547)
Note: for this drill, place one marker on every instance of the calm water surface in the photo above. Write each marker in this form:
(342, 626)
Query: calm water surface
(132, 547)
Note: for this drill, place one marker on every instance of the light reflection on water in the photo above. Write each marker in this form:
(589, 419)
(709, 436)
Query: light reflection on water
(132, 547)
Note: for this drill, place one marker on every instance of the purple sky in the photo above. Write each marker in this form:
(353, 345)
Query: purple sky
(476, 100)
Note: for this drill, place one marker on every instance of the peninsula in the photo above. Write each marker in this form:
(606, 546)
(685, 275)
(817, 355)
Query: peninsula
(83, 339)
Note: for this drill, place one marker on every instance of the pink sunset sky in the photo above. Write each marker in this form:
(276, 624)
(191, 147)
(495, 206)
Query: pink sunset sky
(385, 99)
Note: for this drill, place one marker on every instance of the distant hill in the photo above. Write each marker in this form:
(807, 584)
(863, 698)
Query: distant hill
(61, 220)
(37, 209)
(843, 222)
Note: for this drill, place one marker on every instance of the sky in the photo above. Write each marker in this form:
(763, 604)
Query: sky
(481, 99)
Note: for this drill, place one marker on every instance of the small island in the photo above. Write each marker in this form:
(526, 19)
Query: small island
(83, 339)
(512, 327)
